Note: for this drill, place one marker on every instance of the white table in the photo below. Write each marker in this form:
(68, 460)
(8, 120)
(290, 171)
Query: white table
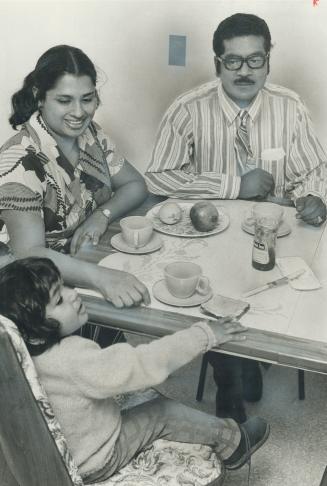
(286, 326)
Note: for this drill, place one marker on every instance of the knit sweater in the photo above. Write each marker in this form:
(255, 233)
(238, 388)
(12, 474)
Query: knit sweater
(81, 380)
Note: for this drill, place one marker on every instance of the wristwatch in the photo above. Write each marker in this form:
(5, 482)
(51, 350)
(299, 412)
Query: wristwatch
(106, 212)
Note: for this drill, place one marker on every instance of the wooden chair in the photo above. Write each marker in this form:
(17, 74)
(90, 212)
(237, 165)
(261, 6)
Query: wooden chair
(203, 373)
(34, 452)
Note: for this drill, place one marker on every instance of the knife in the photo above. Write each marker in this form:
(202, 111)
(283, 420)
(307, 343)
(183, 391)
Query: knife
(274, 283)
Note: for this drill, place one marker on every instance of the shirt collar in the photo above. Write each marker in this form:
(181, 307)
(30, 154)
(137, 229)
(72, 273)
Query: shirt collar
(47, 140)
(231, 110)
(92, 160)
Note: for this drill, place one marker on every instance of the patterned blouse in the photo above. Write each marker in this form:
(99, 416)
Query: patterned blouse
(36, 177)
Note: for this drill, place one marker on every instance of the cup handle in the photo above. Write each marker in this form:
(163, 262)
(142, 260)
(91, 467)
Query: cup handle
(136, 239)
(203, 286)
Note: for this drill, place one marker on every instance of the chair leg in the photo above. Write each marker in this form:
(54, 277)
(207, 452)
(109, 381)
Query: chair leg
(202, 378)
(301, 384)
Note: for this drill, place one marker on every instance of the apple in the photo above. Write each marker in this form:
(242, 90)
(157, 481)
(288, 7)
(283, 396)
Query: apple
(204, 216)
(170, 213)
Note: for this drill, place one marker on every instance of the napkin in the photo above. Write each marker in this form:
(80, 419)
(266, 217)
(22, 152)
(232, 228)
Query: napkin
(221, 306)
(306, 281)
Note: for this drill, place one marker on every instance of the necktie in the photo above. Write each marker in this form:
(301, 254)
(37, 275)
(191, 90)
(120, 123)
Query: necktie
(242, 143)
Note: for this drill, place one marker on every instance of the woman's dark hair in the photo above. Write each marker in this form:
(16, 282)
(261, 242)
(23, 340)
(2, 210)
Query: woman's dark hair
(239, 25)
(53, 64)
(24, 294)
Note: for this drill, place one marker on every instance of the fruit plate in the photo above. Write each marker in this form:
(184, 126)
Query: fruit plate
(185, 227)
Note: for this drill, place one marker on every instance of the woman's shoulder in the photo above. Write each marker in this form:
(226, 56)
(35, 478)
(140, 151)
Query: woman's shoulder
(15, 141)
(18, 145)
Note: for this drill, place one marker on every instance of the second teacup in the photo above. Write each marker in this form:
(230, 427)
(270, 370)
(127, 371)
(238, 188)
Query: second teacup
(183, 279)
(265, 210)
(136, 230)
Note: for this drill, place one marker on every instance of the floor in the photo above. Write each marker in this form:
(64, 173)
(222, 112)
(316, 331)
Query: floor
(296, 451)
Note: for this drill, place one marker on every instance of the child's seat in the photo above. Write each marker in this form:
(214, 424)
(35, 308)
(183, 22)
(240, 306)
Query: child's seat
(34, 450)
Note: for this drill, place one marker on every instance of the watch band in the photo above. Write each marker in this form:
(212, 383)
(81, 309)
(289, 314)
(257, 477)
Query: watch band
(106, 212)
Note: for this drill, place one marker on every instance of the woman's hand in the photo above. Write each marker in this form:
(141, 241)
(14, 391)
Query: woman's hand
(227, 329)
(121, 288)
(91, 230)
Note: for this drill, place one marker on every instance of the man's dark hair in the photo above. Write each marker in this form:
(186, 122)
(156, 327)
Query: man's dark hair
(24, 294)
(239, 25)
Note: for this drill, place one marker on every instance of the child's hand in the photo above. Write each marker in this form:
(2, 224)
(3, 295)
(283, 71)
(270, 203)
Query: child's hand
(227, 329)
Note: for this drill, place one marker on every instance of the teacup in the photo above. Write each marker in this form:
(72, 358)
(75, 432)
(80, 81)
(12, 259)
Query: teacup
(266, 210)
(183, 279)
(136, 231)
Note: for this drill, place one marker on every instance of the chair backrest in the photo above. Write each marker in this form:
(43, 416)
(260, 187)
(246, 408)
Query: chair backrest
(27, 445)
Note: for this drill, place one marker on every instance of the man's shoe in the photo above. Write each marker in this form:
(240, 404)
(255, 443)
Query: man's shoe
(254, 434)
(252, 381)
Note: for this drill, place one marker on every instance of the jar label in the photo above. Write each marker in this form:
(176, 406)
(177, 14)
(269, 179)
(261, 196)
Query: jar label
(260, 252)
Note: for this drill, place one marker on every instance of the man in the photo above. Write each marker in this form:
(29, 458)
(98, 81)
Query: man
(239, 137)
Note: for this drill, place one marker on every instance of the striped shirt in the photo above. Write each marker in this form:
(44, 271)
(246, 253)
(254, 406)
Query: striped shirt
(195, 156)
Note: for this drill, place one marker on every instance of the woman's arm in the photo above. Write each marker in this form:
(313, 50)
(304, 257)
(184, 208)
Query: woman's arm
(27, 238)
(129, 192)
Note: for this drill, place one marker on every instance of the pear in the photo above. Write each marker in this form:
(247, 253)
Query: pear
(204, 216)
(170, 213)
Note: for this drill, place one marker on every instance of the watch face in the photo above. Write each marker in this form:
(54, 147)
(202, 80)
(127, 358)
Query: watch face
(107, 213)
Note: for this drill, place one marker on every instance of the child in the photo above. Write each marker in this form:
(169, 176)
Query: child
(81, 379)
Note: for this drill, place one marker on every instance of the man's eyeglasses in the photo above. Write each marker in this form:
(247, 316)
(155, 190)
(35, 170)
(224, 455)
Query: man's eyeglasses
(235, 63)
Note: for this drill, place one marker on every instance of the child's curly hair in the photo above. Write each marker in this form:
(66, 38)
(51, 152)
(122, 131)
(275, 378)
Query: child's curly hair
(25, 286)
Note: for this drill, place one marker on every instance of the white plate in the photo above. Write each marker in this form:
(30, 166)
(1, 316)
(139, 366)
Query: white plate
(283, 230)
(161, 293)
(185, 226)
(119, 244)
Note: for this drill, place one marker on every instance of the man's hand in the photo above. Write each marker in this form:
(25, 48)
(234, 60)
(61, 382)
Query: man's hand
(311, 209)
(257, 183)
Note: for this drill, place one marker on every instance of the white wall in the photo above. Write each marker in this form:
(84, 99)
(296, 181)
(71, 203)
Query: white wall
(128, 40)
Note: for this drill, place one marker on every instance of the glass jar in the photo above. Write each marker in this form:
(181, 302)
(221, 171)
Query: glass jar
(264, 244)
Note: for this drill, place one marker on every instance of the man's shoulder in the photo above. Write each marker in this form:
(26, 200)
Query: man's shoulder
(277, 91)
(202, 91)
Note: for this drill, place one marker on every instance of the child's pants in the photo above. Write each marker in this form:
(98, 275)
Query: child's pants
(163, 418)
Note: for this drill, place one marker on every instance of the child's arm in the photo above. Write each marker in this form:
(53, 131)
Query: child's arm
(122, 368)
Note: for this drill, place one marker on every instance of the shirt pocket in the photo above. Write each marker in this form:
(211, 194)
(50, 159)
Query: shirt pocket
(272, 160)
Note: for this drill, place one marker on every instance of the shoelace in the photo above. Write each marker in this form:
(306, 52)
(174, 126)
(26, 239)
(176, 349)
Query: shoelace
(248, 447)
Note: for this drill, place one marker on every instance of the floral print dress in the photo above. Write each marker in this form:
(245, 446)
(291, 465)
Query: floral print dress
(36, 177)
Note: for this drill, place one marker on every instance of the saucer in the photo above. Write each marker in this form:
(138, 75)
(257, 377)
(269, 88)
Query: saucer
(161, 293)
(283, 230)
(119, 244)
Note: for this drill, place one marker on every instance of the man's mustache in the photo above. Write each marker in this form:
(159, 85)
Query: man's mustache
(243, 80)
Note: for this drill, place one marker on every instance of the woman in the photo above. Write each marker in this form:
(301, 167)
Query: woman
(61, 179)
